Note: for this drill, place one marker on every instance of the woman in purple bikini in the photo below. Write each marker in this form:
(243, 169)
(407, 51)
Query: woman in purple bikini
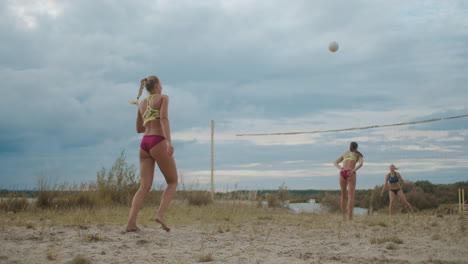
(348, 177)
(152, 119)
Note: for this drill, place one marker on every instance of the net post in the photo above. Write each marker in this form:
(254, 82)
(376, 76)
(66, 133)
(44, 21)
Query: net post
(212, 160)
(463, 200)
(459, 202)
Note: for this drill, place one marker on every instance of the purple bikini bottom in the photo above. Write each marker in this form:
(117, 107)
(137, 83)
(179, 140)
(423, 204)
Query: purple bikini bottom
(148, 142)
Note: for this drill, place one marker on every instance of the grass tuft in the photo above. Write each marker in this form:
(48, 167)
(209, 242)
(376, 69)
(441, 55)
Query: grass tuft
(206, 258)
(382, 224)
(223, 229)
(93, 237)
(81, 260)
(265, 217)
(381, 240)
(52, 254)
(391, 246)
(14, 204)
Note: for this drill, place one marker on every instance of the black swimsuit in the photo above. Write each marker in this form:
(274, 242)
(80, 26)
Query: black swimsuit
(394, 179)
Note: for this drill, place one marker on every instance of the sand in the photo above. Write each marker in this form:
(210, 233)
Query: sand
(310, 239)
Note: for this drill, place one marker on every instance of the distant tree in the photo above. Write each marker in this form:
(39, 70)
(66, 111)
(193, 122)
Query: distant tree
(426, 186)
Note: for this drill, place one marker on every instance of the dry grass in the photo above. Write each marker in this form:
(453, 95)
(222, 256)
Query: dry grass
(81, 260)
(462, 227)
(198, 198)
(14, 204)
(52, 254)
(380, 223)
(223, 229)
(227, 214)
(205, 258)
(93, 237)
(266, 217)
(381, 240)
(391, 246)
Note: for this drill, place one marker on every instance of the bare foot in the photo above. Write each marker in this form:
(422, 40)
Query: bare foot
(132, 229)
(163, 224)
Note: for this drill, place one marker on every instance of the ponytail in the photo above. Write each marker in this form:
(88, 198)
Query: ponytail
(353, 148)
(142, 84)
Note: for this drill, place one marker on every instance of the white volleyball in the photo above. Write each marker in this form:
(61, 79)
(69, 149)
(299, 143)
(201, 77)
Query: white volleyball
(333, 46)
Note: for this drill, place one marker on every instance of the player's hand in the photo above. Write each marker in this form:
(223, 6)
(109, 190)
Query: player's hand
(169, 149)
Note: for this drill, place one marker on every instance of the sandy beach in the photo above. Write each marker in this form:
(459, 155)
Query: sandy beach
(269, 237)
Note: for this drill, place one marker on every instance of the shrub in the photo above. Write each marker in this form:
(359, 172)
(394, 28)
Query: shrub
(198, 197)
(426, 186)
(331, 202)
(81, 199)
(279, 199)
(14, 204)
(153, 198)
(119, 184)
(421, 200)
(46, 193)
(272, 200)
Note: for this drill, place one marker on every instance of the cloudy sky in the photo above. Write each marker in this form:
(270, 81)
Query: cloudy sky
(69, 67)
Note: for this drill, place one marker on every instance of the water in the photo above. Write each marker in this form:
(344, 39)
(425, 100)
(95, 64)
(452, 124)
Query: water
(315, 208)
(31, 200)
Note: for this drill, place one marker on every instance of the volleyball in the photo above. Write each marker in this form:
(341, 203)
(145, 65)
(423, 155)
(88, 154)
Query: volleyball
(333, 46)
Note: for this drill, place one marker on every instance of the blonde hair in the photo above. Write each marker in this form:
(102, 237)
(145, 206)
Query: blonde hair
(394, 167)
(148, 82)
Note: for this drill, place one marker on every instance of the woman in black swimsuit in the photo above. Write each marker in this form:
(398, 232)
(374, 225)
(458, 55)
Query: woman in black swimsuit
(395, 190)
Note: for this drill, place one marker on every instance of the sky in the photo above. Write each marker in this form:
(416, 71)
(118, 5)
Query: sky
(68, 69)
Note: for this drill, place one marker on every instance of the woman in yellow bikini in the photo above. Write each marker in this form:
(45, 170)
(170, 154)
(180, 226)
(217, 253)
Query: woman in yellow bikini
(152, 119)
(395, 190)
(348, 177)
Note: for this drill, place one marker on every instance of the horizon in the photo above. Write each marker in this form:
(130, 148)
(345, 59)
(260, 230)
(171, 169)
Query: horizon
(206, 188)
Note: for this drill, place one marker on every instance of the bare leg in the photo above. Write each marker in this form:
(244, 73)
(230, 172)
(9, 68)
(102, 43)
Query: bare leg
(168, 168)
(402, 197)
(343, 185)
(351, 188)
(146, 181)
(392, 201)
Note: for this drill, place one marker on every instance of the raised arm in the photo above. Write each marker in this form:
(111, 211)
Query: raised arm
(401, 178)
(337, 163)
(140, 128)
(385, 185)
